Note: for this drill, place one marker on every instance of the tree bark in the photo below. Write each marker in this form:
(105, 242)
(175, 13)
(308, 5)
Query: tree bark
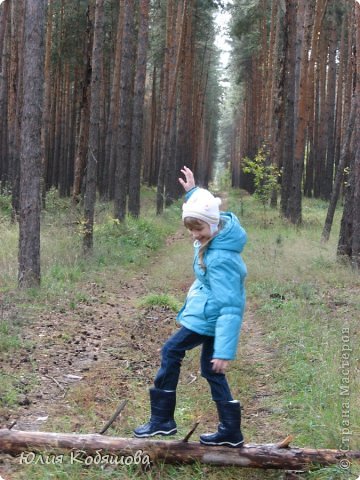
(330, 104)
(113, 117)
(4, 14)
(295, 194)
(46, 120)
(339, 175)
(138, 110)
(349, 238)
(30, 150)
(320, 152)
(83, 135)
(183, 141)
(169, 115)
(15, 99)
(123, 150)
(355, 254)
(289, 119)
(252, 456)
(339, 96)
(93, 146)
(312, 102)
(4, 64)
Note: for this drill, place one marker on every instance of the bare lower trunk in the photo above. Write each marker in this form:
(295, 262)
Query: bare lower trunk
(30, 150)
(339, 176)
(93, 145)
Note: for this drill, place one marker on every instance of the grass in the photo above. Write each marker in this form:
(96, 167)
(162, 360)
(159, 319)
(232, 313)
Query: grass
(306, 301)
(62, 260)
(160, 300)
(309, 305)
(9, 337)
(63, 265)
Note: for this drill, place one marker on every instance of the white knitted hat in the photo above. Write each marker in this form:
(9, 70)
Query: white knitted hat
(204, 206)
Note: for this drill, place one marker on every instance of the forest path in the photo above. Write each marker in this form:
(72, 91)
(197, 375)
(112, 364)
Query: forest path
(84, 361)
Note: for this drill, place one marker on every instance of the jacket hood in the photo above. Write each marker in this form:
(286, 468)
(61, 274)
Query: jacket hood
(232, 236)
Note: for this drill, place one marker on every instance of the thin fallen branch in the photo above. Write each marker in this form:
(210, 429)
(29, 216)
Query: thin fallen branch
(286, 442)
(254, 456)
(114, 417)
(56, 382)
(188, 435)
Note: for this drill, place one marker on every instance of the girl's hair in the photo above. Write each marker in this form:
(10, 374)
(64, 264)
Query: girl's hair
(192, 223)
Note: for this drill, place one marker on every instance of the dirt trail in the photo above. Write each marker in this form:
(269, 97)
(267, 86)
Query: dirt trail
(103, 334)
(101, 351)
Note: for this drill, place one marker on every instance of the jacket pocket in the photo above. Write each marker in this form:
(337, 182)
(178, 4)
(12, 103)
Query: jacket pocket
(195, 304)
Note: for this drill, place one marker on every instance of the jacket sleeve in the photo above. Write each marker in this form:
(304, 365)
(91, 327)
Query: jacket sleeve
(227, 288)
(190, 192)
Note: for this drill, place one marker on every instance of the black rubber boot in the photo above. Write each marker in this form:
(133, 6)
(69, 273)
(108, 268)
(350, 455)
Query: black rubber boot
(162, 415)
(229, 432)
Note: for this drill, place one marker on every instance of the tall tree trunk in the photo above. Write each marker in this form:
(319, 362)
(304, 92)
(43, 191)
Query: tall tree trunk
(169, 115)
(289, 91)
(355, 254)
(277, 94)
(349, 238)
(46, 120)
(344, 159)
(150, 138)
(313, 99)
(102, 187)
(4, 69)
(4, 15)
(170, 168)
(15, 99)
(138, 111)
(356, 174)
(271, 76)
(113, 118)
(126, 110)
(295, 197)
(83, 136)
(340, 96)
(30, 150)
(183, 144)
(330, 104)
(320, 150)
(71, 134)
(93, 146)
(164, 103)
(63, 159)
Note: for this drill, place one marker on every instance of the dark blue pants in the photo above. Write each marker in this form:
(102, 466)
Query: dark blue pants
(173, 353)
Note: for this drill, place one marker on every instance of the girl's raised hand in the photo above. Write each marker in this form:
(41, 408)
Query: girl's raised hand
(189, 181)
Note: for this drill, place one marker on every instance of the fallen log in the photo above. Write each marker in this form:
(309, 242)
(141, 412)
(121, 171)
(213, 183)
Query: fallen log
(173, 451)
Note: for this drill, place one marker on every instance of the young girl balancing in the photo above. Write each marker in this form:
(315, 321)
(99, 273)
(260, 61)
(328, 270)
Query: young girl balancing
(211, 317)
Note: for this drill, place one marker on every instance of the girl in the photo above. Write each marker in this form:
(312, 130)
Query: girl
(211, 317)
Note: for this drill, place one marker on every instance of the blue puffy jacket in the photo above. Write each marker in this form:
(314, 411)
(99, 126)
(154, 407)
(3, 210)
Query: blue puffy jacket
(216, 300)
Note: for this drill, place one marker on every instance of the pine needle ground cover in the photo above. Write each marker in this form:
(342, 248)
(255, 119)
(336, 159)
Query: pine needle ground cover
(92, 335)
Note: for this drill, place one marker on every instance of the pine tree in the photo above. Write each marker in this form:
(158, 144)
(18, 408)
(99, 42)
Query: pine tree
(30, 150)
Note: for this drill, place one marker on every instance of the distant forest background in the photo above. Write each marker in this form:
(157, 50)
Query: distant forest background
(100, 97)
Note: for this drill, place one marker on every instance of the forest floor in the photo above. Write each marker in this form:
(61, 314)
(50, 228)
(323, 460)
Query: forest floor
(80, 364)
(83, 352)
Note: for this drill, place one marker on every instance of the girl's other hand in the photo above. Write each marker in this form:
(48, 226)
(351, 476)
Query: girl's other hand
(189, 181)
(219, 365)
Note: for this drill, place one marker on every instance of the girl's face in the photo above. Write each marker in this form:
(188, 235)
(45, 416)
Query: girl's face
(201, 233)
